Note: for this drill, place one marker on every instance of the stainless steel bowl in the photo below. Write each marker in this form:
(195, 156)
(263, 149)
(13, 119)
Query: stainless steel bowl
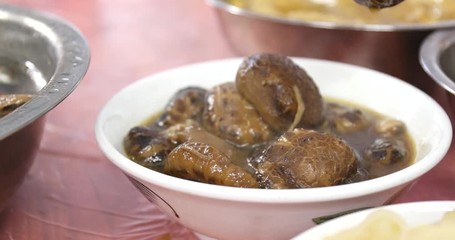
(390, 48)
(41, 55)
(437, 56)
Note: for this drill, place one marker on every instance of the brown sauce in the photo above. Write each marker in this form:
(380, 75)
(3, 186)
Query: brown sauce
(362, 139)
(359, 139)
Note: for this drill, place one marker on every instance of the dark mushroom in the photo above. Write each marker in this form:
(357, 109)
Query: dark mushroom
(342, 119)
(231, 117)
(387, 155)
(390, 127)
(378, 4)
(150, 146)
(147, 147)
(185, 104)
(387, 151)
(281, 91)
(360, 175)
(306, 158)
(191, 131)
(204, 163)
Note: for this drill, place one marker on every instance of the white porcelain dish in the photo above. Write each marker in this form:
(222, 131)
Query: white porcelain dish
(236, 213)
(414, 214)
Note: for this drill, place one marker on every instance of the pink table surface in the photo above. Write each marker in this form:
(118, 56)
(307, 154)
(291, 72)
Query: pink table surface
(72, 190)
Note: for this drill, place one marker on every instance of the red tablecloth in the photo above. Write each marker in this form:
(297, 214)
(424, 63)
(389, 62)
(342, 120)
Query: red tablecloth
(72, 190)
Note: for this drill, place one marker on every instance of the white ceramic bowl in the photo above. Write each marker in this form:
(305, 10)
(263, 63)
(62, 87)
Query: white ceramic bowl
(414, 214)
(235, 213)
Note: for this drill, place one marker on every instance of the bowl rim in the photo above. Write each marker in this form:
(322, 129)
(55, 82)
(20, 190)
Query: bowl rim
(222, 5)
(73, 58)
(429, 56)
(236, 194)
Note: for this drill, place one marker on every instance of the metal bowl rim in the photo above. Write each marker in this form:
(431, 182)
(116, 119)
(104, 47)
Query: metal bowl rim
(403, 27)
(429, 56)
(72, 64)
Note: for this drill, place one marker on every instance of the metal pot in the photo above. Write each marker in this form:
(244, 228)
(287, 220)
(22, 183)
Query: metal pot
(437, 56)
(41, 55)
(390, 48)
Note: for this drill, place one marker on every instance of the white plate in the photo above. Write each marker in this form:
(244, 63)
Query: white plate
(414, 213)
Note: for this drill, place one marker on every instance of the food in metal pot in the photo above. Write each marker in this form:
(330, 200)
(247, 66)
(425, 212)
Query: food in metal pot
(347, 11)
(9, 102)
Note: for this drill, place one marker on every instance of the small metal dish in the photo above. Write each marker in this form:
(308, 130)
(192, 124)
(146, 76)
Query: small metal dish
(46, 57)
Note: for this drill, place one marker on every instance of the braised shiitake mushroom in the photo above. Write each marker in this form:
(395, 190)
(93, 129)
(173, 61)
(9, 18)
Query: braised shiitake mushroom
(187, 103)
(150, 146)
(343, 119)
(230, 116)
(147, 146)
(270, 128)
(306, 158)
(205, 163)
(390, 127)
(378, 4)
(385, 154)
(282, 92)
